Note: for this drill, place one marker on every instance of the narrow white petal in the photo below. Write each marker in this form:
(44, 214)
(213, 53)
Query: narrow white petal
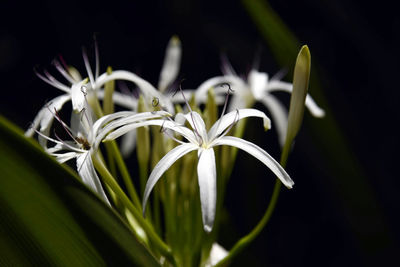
(123, 118)
(164, 165)
(121, 99)
(260, 154)
(279, 116)
(64, 157)
(232, 117)
(84, 165)
(240, 100)
(182, 130)
(276, 85)
(258, 82)
(197, 124)
(207, 178)
(146, 88)
(314, 109)
(235, 82)
(45, 118)
(172, 61)
(311, 105)
(128, 143)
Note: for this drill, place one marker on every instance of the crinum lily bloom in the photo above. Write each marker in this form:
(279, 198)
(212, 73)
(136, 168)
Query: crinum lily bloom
(258, 88)
(92, 88)
(86, 136)
(199, 139)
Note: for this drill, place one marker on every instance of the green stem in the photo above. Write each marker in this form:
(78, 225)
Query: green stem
(114, 150)
(110, 181)
(246, 240)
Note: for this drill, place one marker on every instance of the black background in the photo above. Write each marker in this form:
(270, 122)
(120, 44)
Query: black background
(355, 47)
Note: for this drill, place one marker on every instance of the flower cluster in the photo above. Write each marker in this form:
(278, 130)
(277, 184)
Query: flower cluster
(164, 125)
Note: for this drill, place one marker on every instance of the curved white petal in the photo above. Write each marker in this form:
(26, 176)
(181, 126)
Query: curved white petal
(311, 105)
(197, 124)
(123, 119)
(64, 157)
(180, 129)
(45, 116)
(240, 100)
(85, 167)
(279, 116)
(260, 154)
(258, 82)
(277, 85)
(164, 165)
(172, 61)
(235, 82)
(78, 96)
(128, 143)
(121, 99)
(146, 88)
(232, 117)
(207, 178)
(314, 109)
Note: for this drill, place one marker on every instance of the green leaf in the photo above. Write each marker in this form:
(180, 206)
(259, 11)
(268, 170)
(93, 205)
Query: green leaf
(346, 172)
(49, 218)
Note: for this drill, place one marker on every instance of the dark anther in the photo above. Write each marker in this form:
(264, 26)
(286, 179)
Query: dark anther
(230, 90)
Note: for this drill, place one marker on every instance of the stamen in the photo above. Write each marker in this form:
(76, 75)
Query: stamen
(63, 72)
(195, 131)
(257, 56)
(279, 75)
(48, 138)
(226, 102)
(235, 121)
(63, 124)
(97, 57)
(87, 66)
(65, 65)
(51, 82)
(165, 131)
(226, 66)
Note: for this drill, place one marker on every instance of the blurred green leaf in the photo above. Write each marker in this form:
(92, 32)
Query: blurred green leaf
(347, 176)
(49, 218)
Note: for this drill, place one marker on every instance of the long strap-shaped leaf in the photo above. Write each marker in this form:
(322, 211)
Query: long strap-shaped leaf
(49, 218)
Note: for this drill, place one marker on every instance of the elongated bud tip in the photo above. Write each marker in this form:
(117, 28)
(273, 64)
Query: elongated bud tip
(207, 228)
(109, 70)
(175, 40)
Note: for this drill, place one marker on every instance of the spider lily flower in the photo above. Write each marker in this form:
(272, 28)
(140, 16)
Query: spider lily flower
(73, 92)
(258, 88)
(199, 139)
(86, 136)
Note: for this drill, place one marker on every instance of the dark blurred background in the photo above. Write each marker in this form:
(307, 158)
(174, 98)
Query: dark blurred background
(343, 210)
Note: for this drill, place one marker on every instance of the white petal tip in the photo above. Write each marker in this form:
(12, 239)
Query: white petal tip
(175, 40)
(319, 114)
(207, 229)
(289, 186)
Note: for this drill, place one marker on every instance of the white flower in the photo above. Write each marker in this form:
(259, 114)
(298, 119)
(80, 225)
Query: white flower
(258, 87)
(73, 92)
(204, 142)
(86, 137)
